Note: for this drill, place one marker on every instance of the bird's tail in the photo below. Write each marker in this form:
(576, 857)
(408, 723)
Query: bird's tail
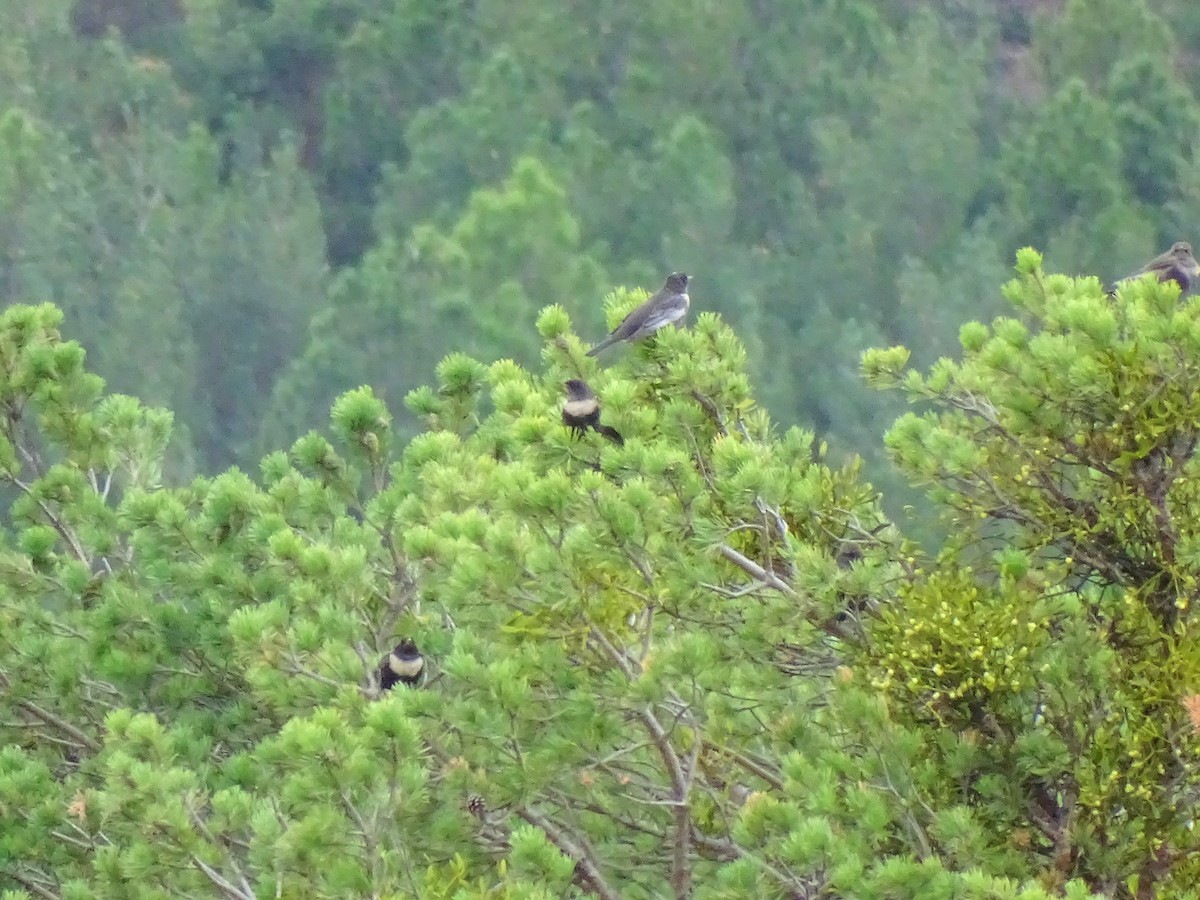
(607, 342)
(611, 433)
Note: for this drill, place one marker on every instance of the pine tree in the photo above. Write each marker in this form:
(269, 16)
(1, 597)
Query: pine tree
(650, 672)
(1049, 657)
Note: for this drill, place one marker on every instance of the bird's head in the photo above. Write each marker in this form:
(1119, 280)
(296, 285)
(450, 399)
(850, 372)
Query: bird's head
(1182, 252)
(677, 282)
(577, 389)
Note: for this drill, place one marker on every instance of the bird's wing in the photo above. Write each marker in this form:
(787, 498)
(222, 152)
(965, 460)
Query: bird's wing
(1177, 274)
(663, 313)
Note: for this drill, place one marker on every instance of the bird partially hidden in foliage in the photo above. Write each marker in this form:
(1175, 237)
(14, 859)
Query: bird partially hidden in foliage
(404, 665)
(1178, 264)
(668, 306)
(582, 411)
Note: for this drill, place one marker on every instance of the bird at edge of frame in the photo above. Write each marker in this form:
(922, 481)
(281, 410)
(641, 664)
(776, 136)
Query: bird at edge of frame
(403, 665)
(668, 306)
(581, 411)
(1178, 264)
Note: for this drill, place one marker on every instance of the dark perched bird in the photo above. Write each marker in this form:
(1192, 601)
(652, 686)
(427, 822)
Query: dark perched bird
(1178, 264)
(404, 665)
(582, 411)
(668, 305)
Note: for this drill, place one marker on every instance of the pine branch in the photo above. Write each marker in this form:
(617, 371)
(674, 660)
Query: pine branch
(60, 724)
(227, 887)
(681, 777)
(752, 568)
(31, 885)
(574, 848)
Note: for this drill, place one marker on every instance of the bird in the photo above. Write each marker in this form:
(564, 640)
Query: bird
(668, 305)
(582, 411)
(404, 665)
(1178, 264)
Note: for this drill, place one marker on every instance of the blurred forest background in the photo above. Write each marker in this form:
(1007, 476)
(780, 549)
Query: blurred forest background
(246, 207)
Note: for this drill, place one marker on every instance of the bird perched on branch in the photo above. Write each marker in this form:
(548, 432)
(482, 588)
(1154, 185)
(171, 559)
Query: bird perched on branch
(668, 306)
(582, 411)
(404, 665)
(1178, 264)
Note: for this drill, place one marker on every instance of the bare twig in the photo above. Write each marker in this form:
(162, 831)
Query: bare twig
(31, 885)
(752, 568)
(227, 888)
(61, 724)
(759, 768)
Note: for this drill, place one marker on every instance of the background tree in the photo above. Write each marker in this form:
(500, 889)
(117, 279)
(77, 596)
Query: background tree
(423, 292)
(190, 277)
(735, 143)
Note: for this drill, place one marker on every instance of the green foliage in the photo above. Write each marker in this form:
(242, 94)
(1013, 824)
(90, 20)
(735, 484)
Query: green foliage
(389, 72)
(187, 660)
(437, 290)
(607, 627)
(169, 258)
(1093, 37)
(797, 160)
(1065, 439)
(1155, 113)
(803, 162)
(903, 184)
(702, 639)
(1067, 163)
